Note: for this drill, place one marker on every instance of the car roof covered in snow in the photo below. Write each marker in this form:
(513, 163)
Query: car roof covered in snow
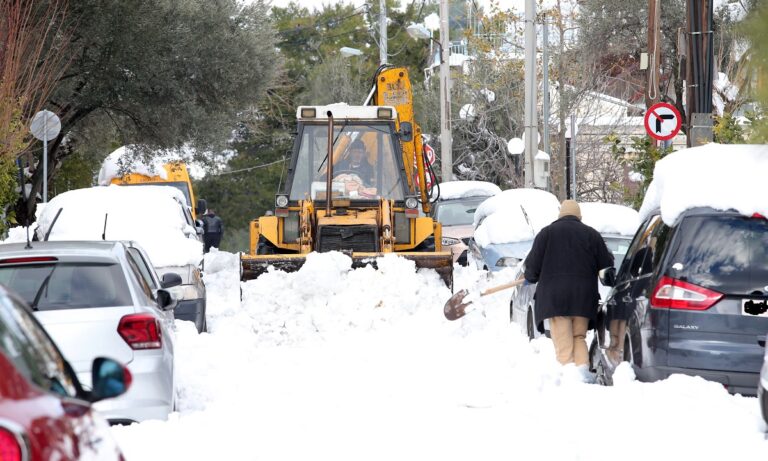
(451, 190)
(609, 218)
(720, 176)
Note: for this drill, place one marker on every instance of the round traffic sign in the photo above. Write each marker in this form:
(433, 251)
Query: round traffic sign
(45, 125)
(662, 121)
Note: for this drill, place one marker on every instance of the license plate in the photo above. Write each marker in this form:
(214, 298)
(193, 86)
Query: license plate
(758, 307)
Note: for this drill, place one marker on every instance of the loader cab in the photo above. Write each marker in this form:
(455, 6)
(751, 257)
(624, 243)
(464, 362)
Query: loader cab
(366, 160)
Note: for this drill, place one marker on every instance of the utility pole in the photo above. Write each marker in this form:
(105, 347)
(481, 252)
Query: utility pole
(530, 122)
(382, 32)
(545, 84)
(652, 95)
(700, 69)
(446, 140)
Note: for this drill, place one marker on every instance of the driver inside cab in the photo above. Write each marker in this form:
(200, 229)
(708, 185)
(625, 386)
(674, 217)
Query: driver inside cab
(356, 163)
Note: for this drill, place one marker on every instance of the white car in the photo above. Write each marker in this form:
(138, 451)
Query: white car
(92, 299)
(155, 217)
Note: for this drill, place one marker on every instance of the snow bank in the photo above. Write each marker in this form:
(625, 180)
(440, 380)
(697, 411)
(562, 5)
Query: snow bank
(608, 218)
(148, 215)
(461, 189)
(514, 215)
(359, 370)
(121, 160)
(715, 175)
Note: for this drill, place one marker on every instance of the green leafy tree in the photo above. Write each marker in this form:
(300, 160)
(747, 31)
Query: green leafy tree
(162, 72)
(640, 158)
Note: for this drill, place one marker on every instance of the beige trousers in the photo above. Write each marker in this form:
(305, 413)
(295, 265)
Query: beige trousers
(568, 334)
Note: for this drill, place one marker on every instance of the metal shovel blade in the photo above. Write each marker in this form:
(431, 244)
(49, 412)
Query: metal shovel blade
(455, 307)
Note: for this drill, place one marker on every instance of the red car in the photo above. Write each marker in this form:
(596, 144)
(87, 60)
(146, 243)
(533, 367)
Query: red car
(45, 414)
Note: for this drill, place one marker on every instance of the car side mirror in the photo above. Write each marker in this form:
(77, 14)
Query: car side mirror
(608, 276)
(171, 279)
(165, 300)
(110, 379)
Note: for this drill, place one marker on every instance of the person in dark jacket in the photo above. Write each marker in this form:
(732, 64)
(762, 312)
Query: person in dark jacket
(213, 228)
(565, 260)
(356, 163)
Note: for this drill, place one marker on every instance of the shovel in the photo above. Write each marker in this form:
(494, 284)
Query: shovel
(455, 308)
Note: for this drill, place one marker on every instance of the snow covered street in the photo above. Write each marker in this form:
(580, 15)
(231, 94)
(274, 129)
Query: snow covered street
(330, 363)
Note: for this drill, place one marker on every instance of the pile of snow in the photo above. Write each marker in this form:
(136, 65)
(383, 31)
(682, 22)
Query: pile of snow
(608, 218)
(450, 190)
(514, 215)
(152, 216)
(122, 160)
(721, 176)
(333, 363)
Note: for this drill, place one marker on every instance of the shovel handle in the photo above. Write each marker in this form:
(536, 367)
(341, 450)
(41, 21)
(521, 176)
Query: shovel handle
(503, 287)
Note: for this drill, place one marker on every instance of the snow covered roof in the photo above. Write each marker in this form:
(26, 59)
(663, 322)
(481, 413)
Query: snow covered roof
(461, 189)
(721, 176)
(608, 218)
(514, 215)
(148, 215)
(118, 160)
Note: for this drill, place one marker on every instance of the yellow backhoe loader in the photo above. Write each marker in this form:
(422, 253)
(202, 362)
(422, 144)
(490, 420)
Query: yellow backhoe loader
(355, 184)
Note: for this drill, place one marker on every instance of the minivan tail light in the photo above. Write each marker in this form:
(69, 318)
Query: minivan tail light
(672, 293)
(140, 331)
(12, 446)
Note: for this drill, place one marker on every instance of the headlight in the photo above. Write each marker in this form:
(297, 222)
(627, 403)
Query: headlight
(281, 201)
(507, 261)
(448, 241)
(411, 202)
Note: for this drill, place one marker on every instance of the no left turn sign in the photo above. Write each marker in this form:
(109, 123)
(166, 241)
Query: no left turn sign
(662, 121)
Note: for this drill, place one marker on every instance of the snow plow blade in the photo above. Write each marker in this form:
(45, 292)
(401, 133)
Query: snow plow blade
(253, 266)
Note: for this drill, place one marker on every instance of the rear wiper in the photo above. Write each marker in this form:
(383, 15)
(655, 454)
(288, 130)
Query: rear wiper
(43, 286)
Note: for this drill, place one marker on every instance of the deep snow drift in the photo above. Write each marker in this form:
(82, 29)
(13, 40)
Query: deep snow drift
(335, 364)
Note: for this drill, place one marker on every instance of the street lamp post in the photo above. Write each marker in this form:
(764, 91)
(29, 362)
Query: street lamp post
(446, 139)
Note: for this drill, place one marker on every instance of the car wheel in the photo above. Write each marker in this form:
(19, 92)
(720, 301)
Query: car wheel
(529, 326)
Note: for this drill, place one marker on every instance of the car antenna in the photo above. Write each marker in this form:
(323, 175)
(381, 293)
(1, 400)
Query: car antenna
(29, 246)
(104, 233)
(53, 223)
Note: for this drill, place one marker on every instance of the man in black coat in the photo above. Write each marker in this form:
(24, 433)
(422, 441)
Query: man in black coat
(565, 260)
(213, 228)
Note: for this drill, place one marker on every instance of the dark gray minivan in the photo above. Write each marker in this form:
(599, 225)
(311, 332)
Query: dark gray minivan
(689, 298)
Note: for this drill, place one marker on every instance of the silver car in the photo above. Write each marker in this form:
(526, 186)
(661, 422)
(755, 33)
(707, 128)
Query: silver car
(762, 386)
(93, 300)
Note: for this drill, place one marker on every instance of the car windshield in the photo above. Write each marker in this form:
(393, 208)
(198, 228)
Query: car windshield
(457, 212)
(68, 285)
(618, 247)
(180, 185)
(365, 165)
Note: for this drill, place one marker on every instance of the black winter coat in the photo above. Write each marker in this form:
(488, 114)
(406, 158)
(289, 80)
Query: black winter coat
(565, 259)
(212, 224)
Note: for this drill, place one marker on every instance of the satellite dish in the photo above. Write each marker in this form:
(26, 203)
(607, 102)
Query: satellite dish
(467, 112)
(516, 146)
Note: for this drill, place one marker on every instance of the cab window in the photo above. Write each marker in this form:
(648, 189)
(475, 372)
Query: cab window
(364, 159)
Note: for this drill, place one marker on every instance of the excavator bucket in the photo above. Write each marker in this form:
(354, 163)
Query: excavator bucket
(252, 267)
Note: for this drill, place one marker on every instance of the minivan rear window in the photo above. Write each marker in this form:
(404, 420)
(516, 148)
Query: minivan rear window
(68, 285)
(725, 253)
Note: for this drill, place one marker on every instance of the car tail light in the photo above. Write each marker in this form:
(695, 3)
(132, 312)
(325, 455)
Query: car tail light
(140, 331)
(675, 294)
(29, 259)
(12, 446)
